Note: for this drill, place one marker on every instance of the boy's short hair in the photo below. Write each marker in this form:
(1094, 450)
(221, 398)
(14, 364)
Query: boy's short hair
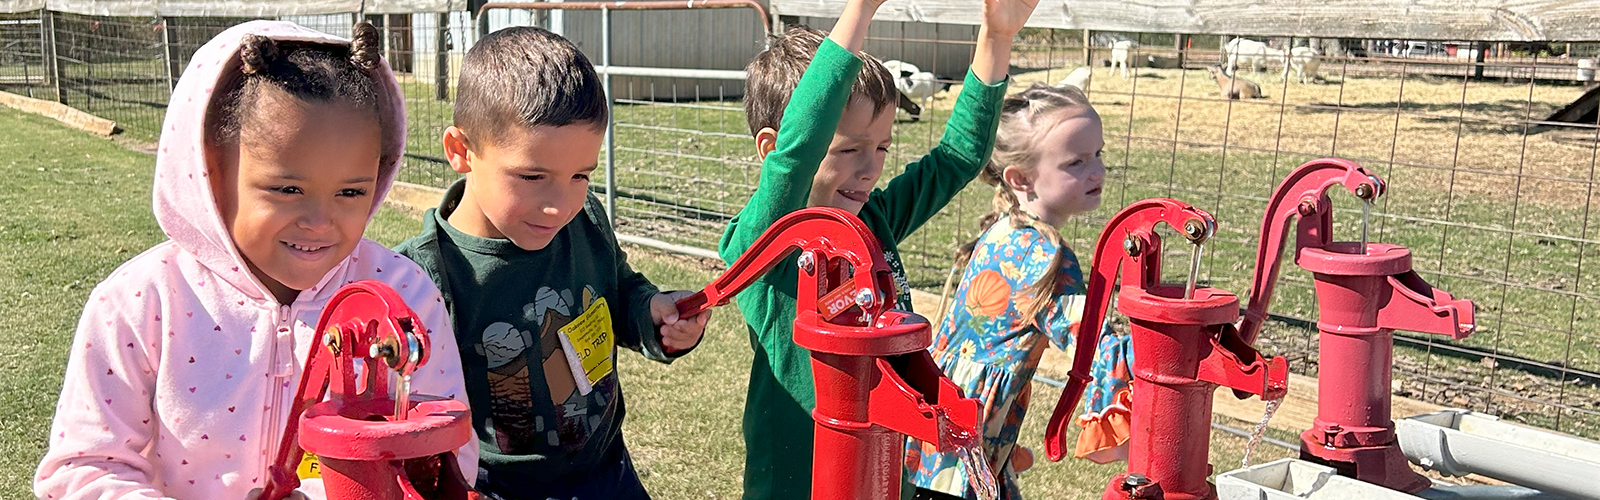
(526, 77)
(775, 73)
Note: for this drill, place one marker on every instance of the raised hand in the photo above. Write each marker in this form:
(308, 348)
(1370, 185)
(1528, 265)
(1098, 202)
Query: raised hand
(1002, 19)
(851, 29)
(1006, 17)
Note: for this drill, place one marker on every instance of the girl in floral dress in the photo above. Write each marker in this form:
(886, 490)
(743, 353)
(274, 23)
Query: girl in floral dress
(1022, 289)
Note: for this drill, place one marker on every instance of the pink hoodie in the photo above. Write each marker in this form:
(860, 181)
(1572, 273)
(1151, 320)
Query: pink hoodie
(182, 371)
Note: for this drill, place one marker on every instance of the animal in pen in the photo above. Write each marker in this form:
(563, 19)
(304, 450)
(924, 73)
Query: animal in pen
(1081, 78)
(1258, 55)
(911, 107)
(1234, 87)
(1304, 61)
(915, 86)
(1119, 56)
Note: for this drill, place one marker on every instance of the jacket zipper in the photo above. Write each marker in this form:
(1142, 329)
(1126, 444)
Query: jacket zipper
(281, 315)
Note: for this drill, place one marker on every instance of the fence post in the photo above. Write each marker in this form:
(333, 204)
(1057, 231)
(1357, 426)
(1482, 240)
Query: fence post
(482, 17)
(47, 49)
(1478, 49)
(388, 37)
(611, 116)
(441, 58)
(1177, 44)
(167, 54)
(27, 77)
(1088, 58)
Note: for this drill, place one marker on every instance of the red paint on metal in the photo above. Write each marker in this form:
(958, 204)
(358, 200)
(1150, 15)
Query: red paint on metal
(1184, 348)
(875, 381)
(1362, 296)
(365, 453)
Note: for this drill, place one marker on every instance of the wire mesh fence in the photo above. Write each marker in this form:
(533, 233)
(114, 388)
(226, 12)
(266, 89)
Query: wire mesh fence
(1492, 195)
(1492, 198)
(22, 55)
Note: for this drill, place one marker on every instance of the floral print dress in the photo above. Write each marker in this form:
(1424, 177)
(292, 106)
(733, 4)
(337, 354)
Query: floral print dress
(988, 349)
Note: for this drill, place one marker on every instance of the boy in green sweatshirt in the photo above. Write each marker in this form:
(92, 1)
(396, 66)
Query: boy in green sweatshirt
(538, 291)
(822, 116)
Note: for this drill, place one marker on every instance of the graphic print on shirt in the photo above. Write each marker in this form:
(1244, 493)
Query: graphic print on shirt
(512, 353)
(903, 285)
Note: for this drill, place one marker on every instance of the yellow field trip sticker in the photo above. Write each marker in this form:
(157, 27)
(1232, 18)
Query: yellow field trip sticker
(589, 343)
(310, 467)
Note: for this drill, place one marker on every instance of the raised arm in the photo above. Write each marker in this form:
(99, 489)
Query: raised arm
(1002, 19)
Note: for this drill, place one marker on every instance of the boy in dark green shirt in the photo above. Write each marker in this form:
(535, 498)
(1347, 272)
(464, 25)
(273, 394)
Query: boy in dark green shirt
(825, 146)
(538, 291)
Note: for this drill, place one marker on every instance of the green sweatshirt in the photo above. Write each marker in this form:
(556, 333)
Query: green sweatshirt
(777, 416)
(535, 423)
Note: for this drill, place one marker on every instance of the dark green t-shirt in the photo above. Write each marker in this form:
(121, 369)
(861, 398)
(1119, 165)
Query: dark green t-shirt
(534, 423)
(777, 414)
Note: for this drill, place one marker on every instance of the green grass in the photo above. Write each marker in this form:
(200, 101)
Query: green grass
(76, 207)
(82, 208)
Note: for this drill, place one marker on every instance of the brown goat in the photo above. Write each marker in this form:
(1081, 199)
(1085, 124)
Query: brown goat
(1234, 87)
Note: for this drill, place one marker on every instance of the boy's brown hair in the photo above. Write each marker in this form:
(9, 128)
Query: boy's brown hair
(526, 77)
(775, 73)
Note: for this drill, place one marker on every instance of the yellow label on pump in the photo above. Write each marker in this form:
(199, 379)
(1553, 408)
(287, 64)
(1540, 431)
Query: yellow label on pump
(589, 343)
(310, 467)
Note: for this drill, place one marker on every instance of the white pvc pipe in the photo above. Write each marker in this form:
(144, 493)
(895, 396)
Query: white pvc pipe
(1292, 479)
(1458, 442)
(611, 117)
(709, 74)
(670, 247)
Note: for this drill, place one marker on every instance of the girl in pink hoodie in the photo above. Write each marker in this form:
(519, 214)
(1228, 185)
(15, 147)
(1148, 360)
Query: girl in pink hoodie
(278, 146)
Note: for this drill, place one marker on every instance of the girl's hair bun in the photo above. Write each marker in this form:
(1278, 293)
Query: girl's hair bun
(258, 53)
(365, 46)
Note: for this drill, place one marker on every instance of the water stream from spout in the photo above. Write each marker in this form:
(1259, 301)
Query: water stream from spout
(402, 397)
(969, 448)
(1366, 219)
(1261, 429)
(1194, 271)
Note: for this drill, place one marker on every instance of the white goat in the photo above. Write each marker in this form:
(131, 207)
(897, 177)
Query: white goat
(900, 69)
(1258, 54)
(1119, 55)
(915, 85)
(1080, 78)
(920, 86)
(911, 80)
(1304, 61)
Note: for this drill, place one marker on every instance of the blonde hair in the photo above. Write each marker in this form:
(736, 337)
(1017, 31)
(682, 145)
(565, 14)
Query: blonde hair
(1025, 117)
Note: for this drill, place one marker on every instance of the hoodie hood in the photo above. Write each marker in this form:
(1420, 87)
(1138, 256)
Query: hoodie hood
(185, 205)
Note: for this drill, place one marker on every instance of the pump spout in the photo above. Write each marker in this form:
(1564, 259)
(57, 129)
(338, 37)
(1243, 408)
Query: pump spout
(1416, 306)
(1238, 366)
(1376, 288)
(915, 398)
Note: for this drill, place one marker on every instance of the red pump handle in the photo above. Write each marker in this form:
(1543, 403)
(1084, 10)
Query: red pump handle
(1302, 194)
(836, 233)
(1129, 243)
(359, 316)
